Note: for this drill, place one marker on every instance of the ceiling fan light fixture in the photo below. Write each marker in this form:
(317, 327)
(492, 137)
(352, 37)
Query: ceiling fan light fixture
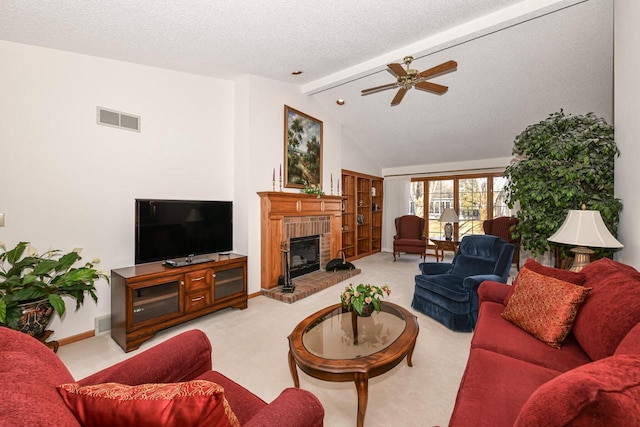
(409, 78)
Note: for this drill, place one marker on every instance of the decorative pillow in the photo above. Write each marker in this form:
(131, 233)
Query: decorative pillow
(602, 393)
(544, 307)
(556, 273)
(193, 403)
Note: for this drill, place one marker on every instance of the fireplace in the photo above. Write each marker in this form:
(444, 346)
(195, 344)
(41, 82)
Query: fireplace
(304, 255)
(286, 216)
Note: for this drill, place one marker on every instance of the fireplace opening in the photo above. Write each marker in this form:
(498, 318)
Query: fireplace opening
(304, 255)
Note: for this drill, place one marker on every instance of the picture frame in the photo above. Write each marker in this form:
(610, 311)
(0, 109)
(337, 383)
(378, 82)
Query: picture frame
(302, 149)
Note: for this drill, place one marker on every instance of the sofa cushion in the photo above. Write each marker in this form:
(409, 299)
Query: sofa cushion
(545, 307)
(30, 369)
(606, 392)
(196, 403)
(630, 344)
(488, 394)
(556, 273)
(611, 309)
(243, 403)
(467, 265)
(495, 333)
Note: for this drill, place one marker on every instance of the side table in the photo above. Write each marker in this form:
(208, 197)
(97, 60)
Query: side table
(445, 245)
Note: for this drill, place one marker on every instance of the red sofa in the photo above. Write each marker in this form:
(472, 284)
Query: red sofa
(30, 372)
(512, 378)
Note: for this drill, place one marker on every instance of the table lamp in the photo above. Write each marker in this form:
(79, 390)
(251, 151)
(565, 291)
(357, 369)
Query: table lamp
(448, 216)
(584, 228)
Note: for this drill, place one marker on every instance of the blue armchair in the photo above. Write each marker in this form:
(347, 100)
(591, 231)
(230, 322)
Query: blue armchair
(447, 292)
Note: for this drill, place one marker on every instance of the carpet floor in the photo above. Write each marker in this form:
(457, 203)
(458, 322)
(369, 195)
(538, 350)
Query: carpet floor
(250, 346)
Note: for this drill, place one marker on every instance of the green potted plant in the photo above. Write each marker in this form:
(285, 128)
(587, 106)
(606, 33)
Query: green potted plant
(313, 189)
(363, 299)
(560, 164)
(42, 280)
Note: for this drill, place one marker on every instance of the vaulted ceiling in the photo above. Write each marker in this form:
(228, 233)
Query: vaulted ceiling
(518, 61)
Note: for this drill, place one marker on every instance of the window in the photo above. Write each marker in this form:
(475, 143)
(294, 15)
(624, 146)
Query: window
(475, 199)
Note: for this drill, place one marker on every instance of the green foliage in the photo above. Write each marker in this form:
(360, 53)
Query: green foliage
(29, 277)
(356, 297)
(560, 164)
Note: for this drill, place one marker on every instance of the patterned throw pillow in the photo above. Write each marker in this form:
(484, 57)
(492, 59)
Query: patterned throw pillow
(556, 273)
(193, 403)
(544, 306)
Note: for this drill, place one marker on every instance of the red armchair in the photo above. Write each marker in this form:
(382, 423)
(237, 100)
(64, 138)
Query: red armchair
(501, 227)
(30, 373)
(410, 236)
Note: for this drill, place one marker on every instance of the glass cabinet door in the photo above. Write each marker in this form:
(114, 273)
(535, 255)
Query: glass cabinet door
(156, 300)
(228, 282)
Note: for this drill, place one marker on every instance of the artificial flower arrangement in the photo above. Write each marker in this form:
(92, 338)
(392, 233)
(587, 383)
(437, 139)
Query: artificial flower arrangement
(356, 297)
(315, 189)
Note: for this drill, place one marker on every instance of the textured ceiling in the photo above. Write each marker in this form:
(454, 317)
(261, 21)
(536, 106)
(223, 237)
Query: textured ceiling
(518, 60)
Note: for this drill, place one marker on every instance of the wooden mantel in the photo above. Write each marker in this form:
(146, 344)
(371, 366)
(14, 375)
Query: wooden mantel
(274, 208)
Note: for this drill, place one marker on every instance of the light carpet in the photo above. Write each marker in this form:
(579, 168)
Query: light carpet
(250, 346)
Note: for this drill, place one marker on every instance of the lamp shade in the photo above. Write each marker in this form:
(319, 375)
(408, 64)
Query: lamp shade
(585, 228)
(449, 215)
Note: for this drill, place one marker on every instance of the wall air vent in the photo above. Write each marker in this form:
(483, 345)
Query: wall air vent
(118, 119)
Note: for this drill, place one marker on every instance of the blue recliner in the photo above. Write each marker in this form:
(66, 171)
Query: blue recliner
(448, 293)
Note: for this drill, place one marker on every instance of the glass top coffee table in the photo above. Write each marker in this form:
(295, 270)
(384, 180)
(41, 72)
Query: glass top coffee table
(335, 345)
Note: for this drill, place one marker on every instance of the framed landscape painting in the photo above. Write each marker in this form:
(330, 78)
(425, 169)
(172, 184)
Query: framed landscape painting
(302, 149)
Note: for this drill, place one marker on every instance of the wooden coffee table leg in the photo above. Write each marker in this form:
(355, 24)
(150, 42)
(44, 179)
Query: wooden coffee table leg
(362, 386)
(294, 371)
(409, 362)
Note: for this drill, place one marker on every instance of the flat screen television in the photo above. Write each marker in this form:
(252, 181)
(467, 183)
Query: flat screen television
(167, 229)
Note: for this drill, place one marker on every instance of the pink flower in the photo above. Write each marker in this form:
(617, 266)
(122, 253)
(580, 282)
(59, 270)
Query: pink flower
(368, 300)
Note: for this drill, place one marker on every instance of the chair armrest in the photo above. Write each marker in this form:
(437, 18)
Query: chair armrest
(429, 268)
(472, 282)
(181, 358)
(493, 291)
(294, 407)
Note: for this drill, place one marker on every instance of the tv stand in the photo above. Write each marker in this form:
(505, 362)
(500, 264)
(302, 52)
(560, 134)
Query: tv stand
(147, 298)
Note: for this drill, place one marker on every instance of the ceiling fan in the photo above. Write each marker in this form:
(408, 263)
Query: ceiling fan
(412, 78)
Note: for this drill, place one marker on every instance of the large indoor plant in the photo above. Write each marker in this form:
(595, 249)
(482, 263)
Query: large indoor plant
(26, 276)
(560, 164)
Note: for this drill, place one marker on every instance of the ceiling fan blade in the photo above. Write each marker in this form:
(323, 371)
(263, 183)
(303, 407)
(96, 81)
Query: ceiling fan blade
(432, 87)
(399, 96)
(378, 88)
(397, 69)
(439, 69)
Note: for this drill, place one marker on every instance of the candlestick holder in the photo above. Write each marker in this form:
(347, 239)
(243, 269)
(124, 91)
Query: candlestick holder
(273, 185)
(280, 183)
(332, 189)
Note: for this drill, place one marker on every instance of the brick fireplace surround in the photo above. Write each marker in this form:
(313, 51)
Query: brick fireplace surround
(287, 215)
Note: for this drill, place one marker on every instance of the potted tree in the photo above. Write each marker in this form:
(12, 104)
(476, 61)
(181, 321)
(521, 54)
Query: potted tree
(32, 285)
(562, 163)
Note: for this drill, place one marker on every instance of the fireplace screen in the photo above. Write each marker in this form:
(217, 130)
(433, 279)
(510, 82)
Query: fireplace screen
(304, 256)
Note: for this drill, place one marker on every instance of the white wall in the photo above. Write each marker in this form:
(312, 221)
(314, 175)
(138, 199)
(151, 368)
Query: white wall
(67, 182)
(627, 131)
(357, 159)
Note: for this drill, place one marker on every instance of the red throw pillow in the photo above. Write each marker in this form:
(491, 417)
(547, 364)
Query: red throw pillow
(193, 403)
(602, 393)
(556, 273)
(544, 307)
